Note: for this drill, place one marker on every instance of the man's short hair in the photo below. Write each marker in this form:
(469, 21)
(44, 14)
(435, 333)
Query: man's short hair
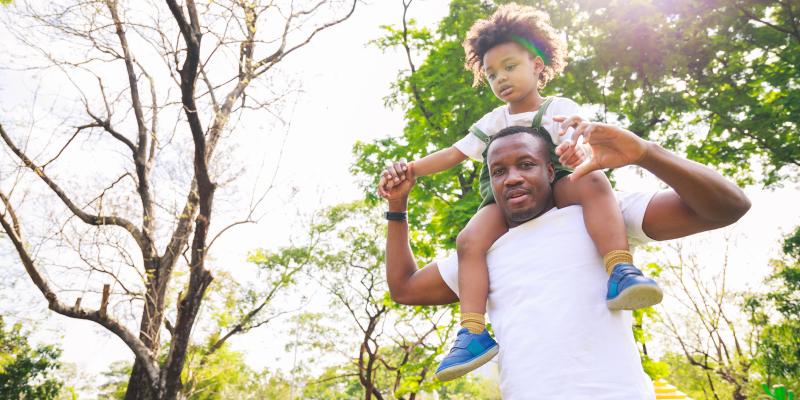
(540, 134)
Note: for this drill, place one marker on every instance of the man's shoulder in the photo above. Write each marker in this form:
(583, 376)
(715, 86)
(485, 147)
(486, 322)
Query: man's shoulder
(632, 205)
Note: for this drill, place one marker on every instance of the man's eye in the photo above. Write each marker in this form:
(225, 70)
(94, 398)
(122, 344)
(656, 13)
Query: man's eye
(527, 165)
(510, 67)
(490, 77)
(497, 172)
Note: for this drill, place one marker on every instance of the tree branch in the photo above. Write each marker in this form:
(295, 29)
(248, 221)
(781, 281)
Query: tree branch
(97, 220)
(267, 62)
(142, 353)
(414, 89)
(754, 17)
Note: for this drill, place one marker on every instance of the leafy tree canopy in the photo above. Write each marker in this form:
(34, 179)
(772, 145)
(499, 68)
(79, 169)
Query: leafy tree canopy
(778, 314)
(26, 371)
(715, 80)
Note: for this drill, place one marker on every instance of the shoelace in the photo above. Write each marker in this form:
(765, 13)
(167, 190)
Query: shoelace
(625, 271)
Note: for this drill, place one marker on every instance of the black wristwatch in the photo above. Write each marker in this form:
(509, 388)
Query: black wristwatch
(396, 215)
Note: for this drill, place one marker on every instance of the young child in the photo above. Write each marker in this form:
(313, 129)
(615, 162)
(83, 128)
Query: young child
(518, 52)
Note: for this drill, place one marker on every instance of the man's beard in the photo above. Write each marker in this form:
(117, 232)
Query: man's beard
(518, 217)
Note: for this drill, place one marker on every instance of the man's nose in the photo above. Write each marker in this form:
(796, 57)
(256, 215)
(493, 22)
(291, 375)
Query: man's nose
(513, 178)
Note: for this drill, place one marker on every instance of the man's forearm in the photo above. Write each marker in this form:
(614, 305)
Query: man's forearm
(400, 264)
(709, 195)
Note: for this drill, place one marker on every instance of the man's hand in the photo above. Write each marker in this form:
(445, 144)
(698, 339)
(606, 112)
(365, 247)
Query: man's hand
(611, 146)
(397, 191)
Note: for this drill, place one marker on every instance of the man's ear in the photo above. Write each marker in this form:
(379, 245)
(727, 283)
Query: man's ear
(551, 173)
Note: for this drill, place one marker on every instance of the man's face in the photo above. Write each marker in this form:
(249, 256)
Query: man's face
(511, 71)
(521, 176)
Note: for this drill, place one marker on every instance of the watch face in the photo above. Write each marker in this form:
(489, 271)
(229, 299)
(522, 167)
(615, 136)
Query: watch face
(395, 216)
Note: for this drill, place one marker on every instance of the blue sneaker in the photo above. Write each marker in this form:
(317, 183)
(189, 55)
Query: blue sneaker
(470, 351)
(629, 289)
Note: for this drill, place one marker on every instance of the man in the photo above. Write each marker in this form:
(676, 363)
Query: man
(547, 284)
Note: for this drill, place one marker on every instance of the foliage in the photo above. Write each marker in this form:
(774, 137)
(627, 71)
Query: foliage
(440, 105)
(340, 383)
(698, 383)
(471, 387)
(274, 386)
(778, 313)
(778, 392)
(116, 381)
(220, 375)
(27, 371)
(708, 325)
(642, 318)
(717, 79)
(337, 382)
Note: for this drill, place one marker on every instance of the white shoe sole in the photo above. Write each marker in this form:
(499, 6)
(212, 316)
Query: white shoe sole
(463, 369)
(636, 297)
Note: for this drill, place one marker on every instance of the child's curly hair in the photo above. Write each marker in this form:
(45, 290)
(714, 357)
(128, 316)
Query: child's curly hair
(510, 23)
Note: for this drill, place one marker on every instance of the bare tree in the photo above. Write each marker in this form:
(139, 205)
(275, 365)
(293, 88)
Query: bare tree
(393, 347)
(135, 71)
(710, 329)
(386, 353)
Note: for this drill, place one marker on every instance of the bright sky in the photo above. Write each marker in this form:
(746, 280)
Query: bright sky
(343, 81)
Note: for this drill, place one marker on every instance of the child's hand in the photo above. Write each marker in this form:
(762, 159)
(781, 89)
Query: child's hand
(571, 154)
(395, 172)
(397, 191)
(393, 175)
(565, 129)
(610, 146)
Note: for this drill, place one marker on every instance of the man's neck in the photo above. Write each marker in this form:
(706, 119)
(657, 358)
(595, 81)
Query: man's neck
(514, 224)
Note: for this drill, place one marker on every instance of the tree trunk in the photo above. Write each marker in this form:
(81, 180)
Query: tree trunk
(139, 385)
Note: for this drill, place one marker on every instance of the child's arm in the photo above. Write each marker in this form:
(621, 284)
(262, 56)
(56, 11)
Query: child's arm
(439, 161)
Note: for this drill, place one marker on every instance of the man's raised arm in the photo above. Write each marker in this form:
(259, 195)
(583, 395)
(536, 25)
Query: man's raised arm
(407, 284)
(700, 199)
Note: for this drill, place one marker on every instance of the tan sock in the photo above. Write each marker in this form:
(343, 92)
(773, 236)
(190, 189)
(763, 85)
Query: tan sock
(474, 322)
(615, 257)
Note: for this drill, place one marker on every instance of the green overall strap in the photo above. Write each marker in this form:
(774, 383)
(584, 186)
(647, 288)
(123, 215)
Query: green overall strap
(479, 134)
(537, 120)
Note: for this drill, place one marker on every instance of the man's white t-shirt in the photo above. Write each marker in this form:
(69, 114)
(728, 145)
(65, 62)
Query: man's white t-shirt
(499, 119)
(547, 288)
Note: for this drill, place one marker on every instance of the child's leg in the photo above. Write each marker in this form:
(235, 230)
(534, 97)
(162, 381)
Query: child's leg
(629, 289)
(485, 227)
(601, 212)
(473, 346)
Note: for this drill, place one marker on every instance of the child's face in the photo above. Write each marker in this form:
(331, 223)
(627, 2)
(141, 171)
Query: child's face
(512, 72)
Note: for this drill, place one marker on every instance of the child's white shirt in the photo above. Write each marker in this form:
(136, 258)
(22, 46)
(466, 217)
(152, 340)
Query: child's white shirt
(499, 119)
